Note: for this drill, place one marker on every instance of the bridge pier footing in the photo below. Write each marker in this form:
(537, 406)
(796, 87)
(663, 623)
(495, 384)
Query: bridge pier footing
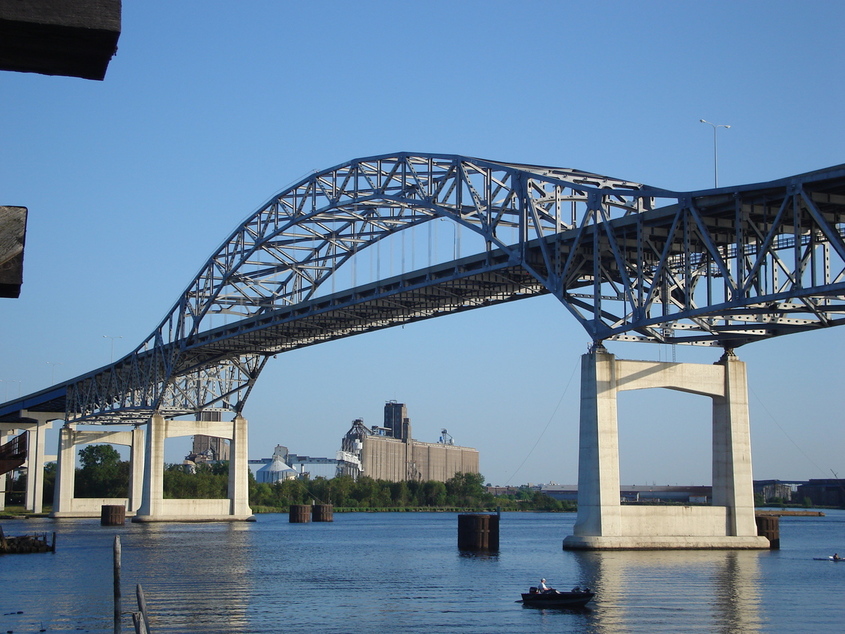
(65, 504)
(35, 424)
(154, 508)
(603, 522)
(7, 433)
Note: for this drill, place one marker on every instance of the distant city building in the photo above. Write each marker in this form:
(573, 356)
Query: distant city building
(776, 491)
(823, 492)
(390, 453)
(209, 448)
(396, 418)
(633, 494)
(820, 492)
(506, 490)
(285, 465)
(276, 470)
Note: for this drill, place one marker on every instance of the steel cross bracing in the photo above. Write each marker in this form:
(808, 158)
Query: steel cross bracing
(718, 267)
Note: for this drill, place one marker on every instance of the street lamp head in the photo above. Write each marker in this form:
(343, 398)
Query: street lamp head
(715, 127)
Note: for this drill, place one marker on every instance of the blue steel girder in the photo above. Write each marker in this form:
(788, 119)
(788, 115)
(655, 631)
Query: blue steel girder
(281, 256)
(717, 267)
(729, 268)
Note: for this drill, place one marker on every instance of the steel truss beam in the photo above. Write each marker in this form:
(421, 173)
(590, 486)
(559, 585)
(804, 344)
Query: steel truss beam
(718, 267)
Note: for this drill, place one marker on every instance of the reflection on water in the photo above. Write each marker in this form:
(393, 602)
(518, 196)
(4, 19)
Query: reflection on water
(638, 589)
(210, 581)
(403, 572)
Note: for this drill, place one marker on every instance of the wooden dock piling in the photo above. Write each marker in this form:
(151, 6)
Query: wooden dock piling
(300, 513)
(478, 532)
(322, 513)
(769, 527)
(112, 515)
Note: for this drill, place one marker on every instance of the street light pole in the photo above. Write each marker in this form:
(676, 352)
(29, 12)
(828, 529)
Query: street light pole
(715, 150)
(5, 391)
(112, 345)
(53, 371)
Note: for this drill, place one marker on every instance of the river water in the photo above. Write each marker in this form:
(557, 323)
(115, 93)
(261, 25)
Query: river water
(402, 572)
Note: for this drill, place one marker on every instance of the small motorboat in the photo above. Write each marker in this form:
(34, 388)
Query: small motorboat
(575, 598)
(830, 558)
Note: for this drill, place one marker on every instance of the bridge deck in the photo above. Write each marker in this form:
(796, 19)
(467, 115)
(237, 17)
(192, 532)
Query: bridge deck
(593, 265)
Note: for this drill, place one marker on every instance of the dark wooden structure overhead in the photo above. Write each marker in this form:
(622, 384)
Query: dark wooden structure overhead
(12, 237)
(57, 37)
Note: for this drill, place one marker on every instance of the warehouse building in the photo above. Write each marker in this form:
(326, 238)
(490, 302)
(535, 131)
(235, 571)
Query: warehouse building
(390, 453)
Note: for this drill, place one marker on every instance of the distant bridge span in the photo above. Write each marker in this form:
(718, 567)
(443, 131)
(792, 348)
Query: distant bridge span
(720, 267)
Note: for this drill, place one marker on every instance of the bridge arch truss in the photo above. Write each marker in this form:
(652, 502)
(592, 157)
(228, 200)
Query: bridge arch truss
(718, 267)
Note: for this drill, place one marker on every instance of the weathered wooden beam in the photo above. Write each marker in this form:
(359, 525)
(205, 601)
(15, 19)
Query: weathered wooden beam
(56, 37)
(12, 238)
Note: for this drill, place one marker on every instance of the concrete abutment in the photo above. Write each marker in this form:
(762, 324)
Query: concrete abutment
(145, 502)
(154, 508)
(65, 503)
(603, 522)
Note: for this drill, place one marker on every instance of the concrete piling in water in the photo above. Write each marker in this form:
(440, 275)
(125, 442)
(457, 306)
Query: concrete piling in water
(478, 532)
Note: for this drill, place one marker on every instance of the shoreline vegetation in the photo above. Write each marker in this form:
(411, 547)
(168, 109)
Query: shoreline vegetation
(463, 492)
(103, 474)
(262, 510)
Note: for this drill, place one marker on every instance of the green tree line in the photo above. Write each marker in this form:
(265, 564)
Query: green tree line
(463, 491)
(103, 474)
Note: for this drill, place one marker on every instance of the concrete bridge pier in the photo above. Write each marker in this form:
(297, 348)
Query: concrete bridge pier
(7, 432)
(36, 458)
(35, 424)
(65, 504)
(154, 508)
(603, 522)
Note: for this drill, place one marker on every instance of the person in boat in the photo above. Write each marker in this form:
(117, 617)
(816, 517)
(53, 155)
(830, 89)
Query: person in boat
(836, 557)
(543, 588)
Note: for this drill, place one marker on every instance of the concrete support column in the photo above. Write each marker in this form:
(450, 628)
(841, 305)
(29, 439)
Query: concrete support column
(598, 457)
(235, 507)
(66, 472)
(151, 499)
(603, 523)
(65, 503)
(136, 469)
(239, 469)
(733, 485)
(6, 435)
(35, 467)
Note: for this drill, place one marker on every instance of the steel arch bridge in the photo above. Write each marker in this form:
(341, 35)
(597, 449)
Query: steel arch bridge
(721, 267)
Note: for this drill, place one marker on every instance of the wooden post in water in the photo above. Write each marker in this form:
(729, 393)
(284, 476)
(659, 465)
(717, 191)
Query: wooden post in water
(142, 610)
(117, 584)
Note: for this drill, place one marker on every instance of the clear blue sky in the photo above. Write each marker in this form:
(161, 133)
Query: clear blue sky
(209, 108)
